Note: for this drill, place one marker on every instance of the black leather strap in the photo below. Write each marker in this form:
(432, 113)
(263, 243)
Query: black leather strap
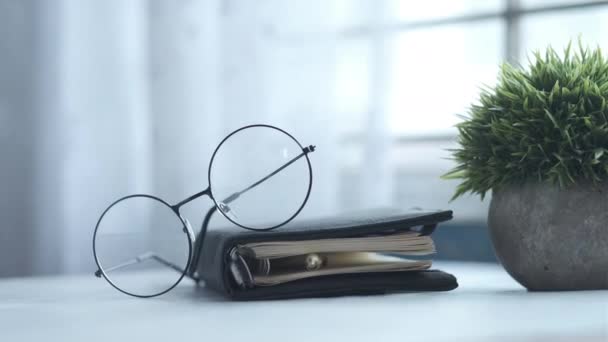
(354, 284)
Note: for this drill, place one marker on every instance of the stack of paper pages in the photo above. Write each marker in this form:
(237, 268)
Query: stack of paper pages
(276, 262)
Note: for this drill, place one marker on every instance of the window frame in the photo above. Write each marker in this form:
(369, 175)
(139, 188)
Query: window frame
(511, 15)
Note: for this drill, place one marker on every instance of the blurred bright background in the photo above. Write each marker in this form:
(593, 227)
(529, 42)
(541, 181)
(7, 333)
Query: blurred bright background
(99, 99)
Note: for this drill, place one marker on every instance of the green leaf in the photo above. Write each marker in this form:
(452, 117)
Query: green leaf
(598, 153)
(550, 116)
(455, 174)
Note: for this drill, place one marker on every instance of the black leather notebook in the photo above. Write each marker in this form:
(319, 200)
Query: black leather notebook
(372, 252)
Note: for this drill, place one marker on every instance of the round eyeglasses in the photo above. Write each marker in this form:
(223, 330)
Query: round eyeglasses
(259, 177)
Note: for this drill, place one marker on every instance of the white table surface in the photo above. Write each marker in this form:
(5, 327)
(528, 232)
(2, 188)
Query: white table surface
(488, 305)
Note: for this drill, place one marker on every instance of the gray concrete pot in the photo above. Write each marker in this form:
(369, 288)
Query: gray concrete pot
(552, 239)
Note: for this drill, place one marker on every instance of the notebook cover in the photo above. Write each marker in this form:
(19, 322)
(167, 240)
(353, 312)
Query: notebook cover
(214, 259)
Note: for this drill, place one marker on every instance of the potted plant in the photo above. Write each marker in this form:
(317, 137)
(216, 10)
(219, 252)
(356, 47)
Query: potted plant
(538, 141)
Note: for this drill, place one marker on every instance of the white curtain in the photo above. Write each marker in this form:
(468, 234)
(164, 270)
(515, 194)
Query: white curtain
(93, 127)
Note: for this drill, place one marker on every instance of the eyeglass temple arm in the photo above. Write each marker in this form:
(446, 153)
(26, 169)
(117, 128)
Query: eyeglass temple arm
(198, 244)
(236, 195)
(140, 258)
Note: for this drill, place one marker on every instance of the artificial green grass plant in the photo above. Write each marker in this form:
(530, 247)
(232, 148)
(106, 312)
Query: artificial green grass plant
(545, 123)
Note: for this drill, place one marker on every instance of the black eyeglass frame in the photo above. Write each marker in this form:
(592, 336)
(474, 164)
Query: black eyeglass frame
(195, 244)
